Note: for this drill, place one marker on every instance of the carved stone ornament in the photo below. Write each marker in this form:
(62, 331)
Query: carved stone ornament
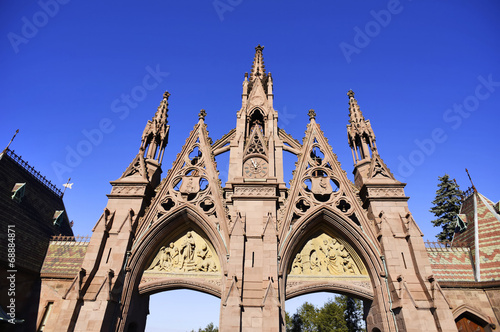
(254, 191)
(385, 192)
(188, 254)
(256, 142)
(190, 185)
(127, 190)
(321, 185)
(192, 180)
(378, 169)
(324, 255)
(257, 100)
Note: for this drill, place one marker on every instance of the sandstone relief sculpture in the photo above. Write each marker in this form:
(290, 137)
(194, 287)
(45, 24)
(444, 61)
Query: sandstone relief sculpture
(189, 253)
(326, 256)
(320, 185)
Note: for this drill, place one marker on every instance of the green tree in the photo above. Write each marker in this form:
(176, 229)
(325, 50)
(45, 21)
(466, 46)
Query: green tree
(295, 323)
(209, 328)
(341, 314)
(446, 207)
(331, 316)
(307, 317)
(353, 314)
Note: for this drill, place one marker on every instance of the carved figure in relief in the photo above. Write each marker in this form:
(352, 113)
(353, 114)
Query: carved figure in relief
(205, 262)
(325, 256)
(159, 261)
(297, 264)
(339, 260)
(314, 261)
(348, 265)
(187, 249)
(332, 251)
(173, 255)
(189, 253)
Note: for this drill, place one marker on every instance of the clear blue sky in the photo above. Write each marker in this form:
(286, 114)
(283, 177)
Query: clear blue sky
(426, 73)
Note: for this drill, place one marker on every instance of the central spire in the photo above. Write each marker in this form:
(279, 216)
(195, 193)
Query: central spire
(258, 68)
(256, 145)
(258, 78)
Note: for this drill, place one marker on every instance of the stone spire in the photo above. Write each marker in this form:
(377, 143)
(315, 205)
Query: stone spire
(147, 163)
(258, 79)
(155, 135)
(258, 68)
(359, 132)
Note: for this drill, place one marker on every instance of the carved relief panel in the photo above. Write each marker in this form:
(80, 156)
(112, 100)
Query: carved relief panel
(189, 253)
(324, 255)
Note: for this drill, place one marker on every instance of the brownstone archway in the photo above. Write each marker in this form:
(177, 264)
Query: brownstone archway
(136, 291)
(325, 220)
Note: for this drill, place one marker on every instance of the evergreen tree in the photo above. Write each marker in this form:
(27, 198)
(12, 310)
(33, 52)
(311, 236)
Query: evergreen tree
(353, 314)
(331, 316)
(295, 324)
(209, 328)
(307, 317)
(446, 207)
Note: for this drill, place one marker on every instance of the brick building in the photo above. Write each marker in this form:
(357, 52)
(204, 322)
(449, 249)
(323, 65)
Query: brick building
(32, 212)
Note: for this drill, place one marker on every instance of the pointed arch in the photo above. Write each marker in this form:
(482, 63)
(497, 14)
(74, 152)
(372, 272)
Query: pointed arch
(183, 217)
(467, 311)
(256, 116)
(179, 219)
(252, 114)
(327, 219)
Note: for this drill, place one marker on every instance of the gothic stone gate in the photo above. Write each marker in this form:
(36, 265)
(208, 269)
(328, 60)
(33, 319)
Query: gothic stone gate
(255, 242)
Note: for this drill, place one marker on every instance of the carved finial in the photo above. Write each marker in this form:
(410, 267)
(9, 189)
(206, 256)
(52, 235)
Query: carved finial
(350, 93)
(259, 48)
(312, 114)
(166, 95)
(202, 114)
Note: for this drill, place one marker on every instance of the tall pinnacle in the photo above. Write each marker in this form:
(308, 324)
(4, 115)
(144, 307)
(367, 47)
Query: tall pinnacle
(155, 133)
(359, 132)
(258, 69)
(355, 115)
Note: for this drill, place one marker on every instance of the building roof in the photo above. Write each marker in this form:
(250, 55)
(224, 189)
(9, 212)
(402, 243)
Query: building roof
(450, 263)
(477, 237)
(64, 257)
